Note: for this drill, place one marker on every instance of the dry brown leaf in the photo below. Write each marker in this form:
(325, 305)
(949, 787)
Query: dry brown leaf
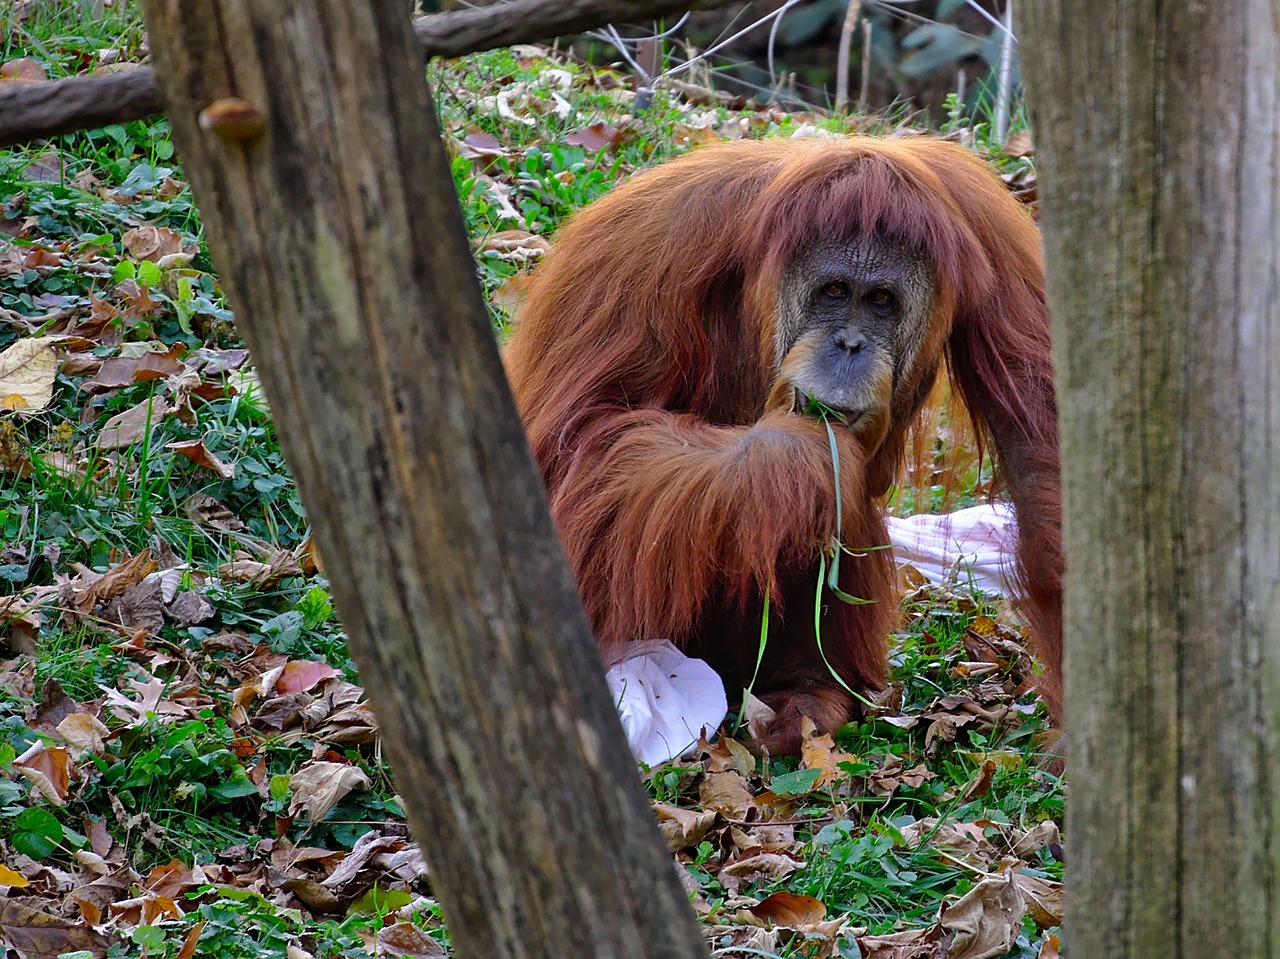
(204, 510)
(726, 793)
(39, 935)
(481, 148)
(727, 755)
(188, 949)
(119, 371)
(517, 246)
(171, 879)
(595, 138)
(985, 922)
(770, 865)
(408, 941)
(909, 944)
(130, 426)
(83, 733)
(47, 768)
(980, 784)
(99, 589)
(152, 242)
(682, 828)
(789, 909)
(319, 786)
(1019, 145)
(251, 572)
(149, 702)
(756, 715)
(820, 752)
(300, 675)
(1049, 950)
(367, 854)
(22, 70)
(28, 368)
(1043, 898)
(1036, 838)
(198, 453)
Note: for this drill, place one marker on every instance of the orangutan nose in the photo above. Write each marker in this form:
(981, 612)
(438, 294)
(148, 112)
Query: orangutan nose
(851, 341)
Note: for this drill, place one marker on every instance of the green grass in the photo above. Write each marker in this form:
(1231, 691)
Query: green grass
(206, 774)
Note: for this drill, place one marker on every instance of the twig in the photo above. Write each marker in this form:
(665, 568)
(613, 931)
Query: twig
(842, 57)
(33, 111)
(1004, 89)
(866, 66)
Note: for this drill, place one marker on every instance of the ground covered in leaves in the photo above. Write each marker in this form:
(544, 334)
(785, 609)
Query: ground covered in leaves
(187, 763)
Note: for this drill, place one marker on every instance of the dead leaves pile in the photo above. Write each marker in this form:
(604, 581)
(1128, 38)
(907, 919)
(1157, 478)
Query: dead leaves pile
(84, 904)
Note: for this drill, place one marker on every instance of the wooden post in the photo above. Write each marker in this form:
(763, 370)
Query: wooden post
(310, 140)
(1156, 126)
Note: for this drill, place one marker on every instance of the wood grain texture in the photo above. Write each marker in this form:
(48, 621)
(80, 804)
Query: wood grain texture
(342, 249)
(1156, 125)
(33, 111)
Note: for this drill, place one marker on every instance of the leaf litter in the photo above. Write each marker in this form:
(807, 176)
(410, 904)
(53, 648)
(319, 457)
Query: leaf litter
(211, 746)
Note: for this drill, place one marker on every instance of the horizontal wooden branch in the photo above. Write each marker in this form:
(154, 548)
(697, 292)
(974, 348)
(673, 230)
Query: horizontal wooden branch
(34, 111)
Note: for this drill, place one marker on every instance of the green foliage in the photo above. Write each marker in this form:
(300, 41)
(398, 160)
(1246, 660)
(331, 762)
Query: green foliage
(195, 783)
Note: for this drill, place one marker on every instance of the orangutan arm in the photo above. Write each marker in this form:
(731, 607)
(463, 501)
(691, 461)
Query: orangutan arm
(659, 511)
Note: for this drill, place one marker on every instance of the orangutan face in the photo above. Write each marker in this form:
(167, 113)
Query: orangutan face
(852, 318)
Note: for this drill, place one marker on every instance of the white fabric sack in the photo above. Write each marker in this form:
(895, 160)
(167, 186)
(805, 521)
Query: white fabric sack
(665, 699)
(974, 545)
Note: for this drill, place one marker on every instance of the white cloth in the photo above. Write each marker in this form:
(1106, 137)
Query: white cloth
(974, 545)
(665, 699)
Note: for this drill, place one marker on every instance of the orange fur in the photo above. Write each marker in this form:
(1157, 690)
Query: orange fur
(642, 364)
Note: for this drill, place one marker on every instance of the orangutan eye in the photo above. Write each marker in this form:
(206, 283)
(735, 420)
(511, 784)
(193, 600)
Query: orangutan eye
(881, 301)
(836, 291)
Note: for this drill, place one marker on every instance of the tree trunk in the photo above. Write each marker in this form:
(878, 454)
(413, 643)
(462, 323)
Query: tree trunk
(1156, 124)
(332, 218)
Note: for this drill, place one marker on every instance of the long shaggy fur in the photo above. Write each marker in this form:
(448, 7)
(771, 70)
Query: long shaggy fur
(642, 364)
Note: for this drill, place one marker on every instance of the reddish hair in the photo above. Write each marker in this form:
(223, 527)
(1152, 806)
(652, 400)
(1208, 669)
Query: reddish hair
(643, 358)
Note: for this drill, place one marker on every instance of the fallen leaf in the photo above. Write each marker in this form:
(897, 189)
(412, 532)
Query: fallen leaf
(39, 935)
(408, 941)
(28, 368)
(770, 865)
(131, 426)
(47, 769)
(152, 242)
(727, 793)
(12, 879)
(909, 944)
(980, 784)
(100, 589)
(126, 370)
(595, 138)
(170, 880)
(319, 786)
(204, 510)
(83, 733)
(188, 949)
(820, 752)
(986, 921)
(1036, 838)
(251, 572)
(300, 675)
(198, 453)
(1043, 898)
(22, 70)
(789, 909)
(1019, 145)
(683, 828)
